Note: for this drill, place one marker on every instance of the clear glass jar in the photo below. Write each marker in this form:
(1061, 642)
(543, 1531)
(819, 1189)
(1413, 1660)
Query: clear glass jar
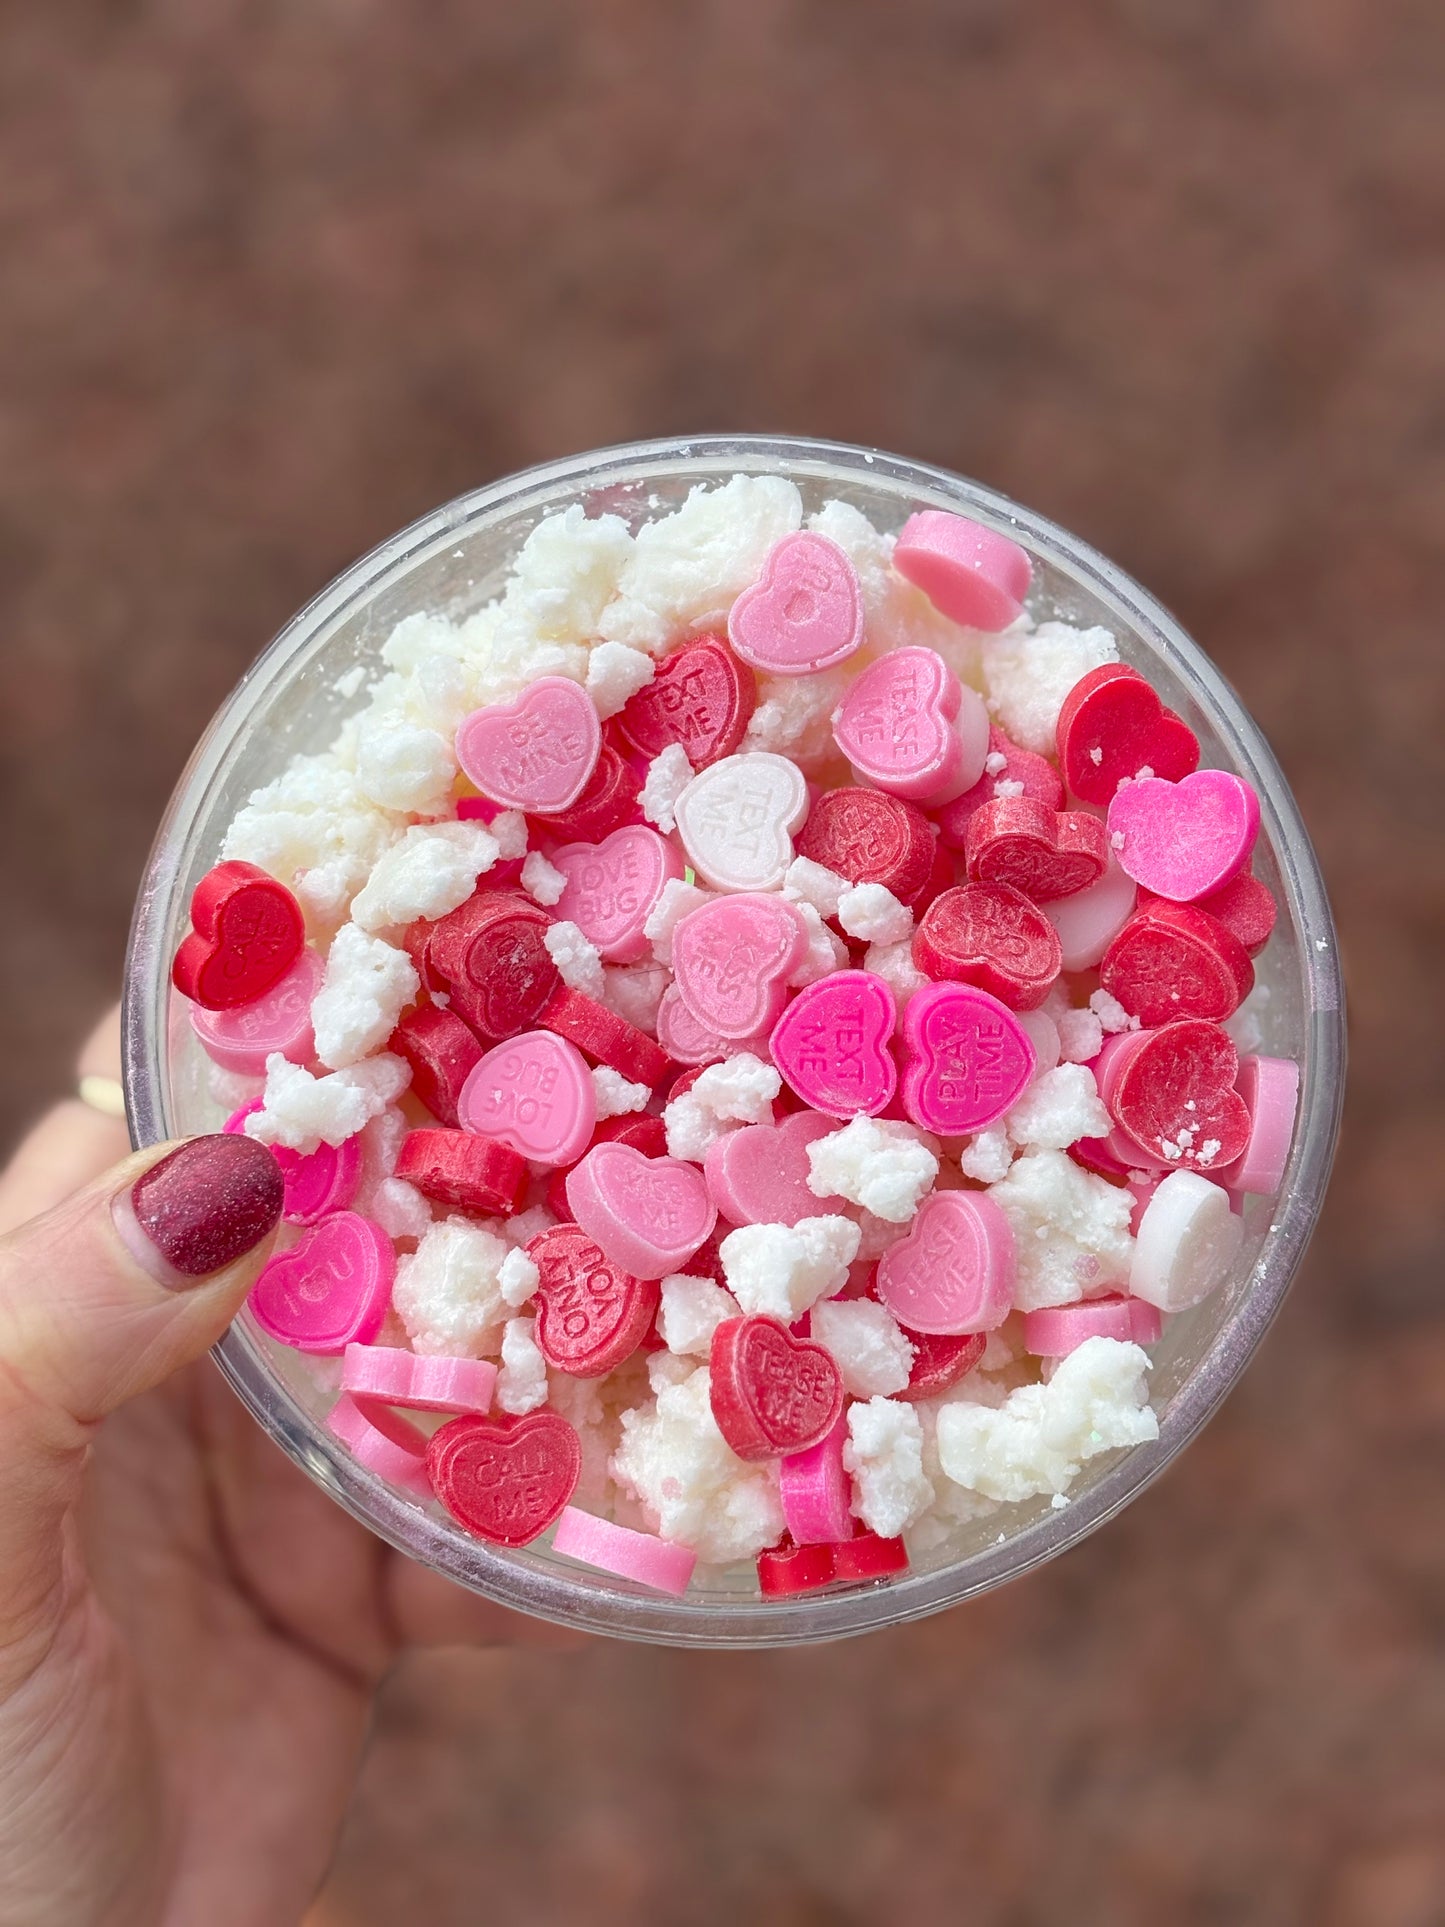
(456, 559)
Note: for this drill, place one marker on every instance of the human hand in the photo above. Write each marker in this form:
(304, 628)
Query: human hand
(190, 1631)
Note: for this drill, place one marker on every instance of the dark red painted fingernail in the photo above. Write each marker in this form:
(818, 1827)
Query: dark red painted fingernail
(208, 1203)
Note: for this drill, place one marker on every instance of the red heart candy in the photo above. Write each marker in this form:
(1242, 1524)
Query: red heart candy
(990, 934)
(771, 1393)
(1037, 774)
(505, 1479)
(1175, 960)
(442, 1052)
(608, 802)
(867, 1556)
(869, 837)
(940, 1359)
(1175, 1095)
(591, 1314)
(246, 933)
(701, 697)
(492, 956)
(468, 1172)
(1045, 853)
(602, 1034)
(1112, 725)
(786, 1569)
(1245, 906)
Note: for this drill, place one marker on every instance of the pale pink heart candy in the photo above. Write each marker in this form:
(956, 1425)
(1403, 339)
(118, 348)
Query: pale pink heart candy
(736, 819)
(534, 1093)
(649, 1215)
(1270, 1088)
(731, 961)
(909, 726)
(331, 1289)
(805, 612)
(316, 1183)
(954, 1270)
(974, 575)
(759, 1175)
(831, 1044)
(536, 752)
(639, 1556)
(386, 1375)
(966, 1059)
(241, 1040)
(1061, 1329)
(1090, 919)
(612, 886)
(1186, 1244)
(391, 1447)
(815, 1491)
(1182, 840)
(686, 1041)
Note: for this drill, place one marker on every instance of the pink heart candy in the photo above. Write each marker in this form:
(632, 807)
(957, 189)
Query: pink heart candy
(535, 1094)
(384, 1442)
(731, 961)
(315, 1183)
(954, 1270)
(805, 611)
(909, 726)
(759, 1175)
(612, 886)
(241, 1040)
(831, 1044)
(649, 1215)
(973, 574)
(331, 1289)
(1182, 840)
(815, 1490)
(736, 820)
(967, 1059)
(536, 752)
(386, 1375)
(686, 1041)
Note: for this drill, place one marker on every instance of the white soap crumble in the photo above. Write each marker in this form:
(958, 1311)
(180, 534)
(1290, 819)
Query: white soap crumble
(634, 991)
(893, 962)
(780, 1270)
(433, 869)
(1007, 786)
(676, 900)
(692, 1486)
(367, 985)
(522, 1381)
(615, 673)
(564, 576)
(517, 1278)
(316, 831)
(616, 1095)
(1027, 676)
(692, 1129)
(403, 766)
(301, 1112)
(348, 685)
(509, 827)
(1040, 1437)
(825, 953)
(525, 1226)
(871, 913)
(449, 1291)
(814, 883)
(668, 775)
(876, 1162)
(1111, 1013)
(692, 1310)
(398, 1207)
(995, 763)
(1071, 1229)
(884, 1453)
(987, 1155)
(577, 959)
(794, 716)
(739, 1090)
(1246, 1026)
(867, 1344)
(543, 881)
(1081, 1035)
(1058, 1109)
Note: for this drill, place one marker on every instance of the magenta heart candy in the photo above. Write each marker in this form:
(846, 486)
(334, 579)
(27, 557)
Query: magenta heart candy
(909, 726)
(535, 1094)
(648, 1215)
(732, 958)
(759, 1175)
(1182, 840)
(612, 886)
(831, 1044)
(954, 1271)
(686, 1041)
(815, 1490)
(536, 752)
(967, 1059)
(805, 612)
(329, 1290)
(316, 1183)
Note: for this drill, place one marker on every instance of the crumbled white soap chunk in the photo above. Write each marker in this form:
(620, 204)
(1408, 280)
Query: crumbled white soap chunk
(1040, 1437)
(398, 1207)
(517, 1278)
(781, 1270)
(616, 1095)
(403, 766)
(1111, 1013)
(526, 1226)
(686, 569)
(522, 1381)
(825, 953)
(1081, 1035)
(1071, 1229)
(348, 685)
(893, 962)
(876, 1162)
(668, 775)
(809, 882)
(509, 827)
(576, 958)
(794, 716)
(432, 870)
(634, 991)
(692, 1129)
(615, 673)
(1188, 1238)
(565, 574)
(867, 1343)
(1027, 677)
(739, 1090)
(692, 1310)
(884, 1453)
(542, 881)
(314, 829)
(1058, 1109)
(449, 1291)
(987, 1156)
(676, 900)
(871, 913)
(368, 984)
(952, 1506)
(302, 1112)
(693, 1487)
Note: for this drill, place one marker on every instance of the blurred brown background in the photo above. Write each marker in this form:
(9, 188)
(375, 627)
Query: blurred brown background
(277, 275)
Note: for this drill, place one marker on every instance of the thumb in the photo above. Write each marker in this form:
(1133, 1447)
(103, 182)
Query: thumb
(100, 1299)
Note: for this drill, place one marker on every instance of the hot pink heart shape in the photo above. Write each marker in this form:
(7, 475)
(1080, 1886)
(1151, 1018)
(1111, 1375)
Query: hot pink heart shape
(831, 1044)
(805, 611)
(759, 1175)
(910, 726)
(613, 885)
(329, 1290)
(649, 1215)
(537, 751)
(967, 1059)
(535, 1094)
(1182, 840)
(732, 958)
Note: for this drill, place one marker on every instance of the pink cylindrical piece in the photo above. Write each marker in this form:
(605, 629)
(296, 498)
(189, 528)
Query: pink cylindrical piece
(972, 574)
(815, 1491)
(389, 1376)
(241, 1040)
(1061, 1329)
(640, 1556)
(391, 1447)
(1270, 1088)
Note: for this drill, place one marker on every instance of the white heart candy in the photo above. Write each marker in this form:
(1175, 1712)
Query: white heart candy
(736, 820)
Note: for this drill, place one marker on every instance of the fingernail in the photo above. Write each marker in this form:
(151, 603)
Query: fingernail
(201, 1208)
